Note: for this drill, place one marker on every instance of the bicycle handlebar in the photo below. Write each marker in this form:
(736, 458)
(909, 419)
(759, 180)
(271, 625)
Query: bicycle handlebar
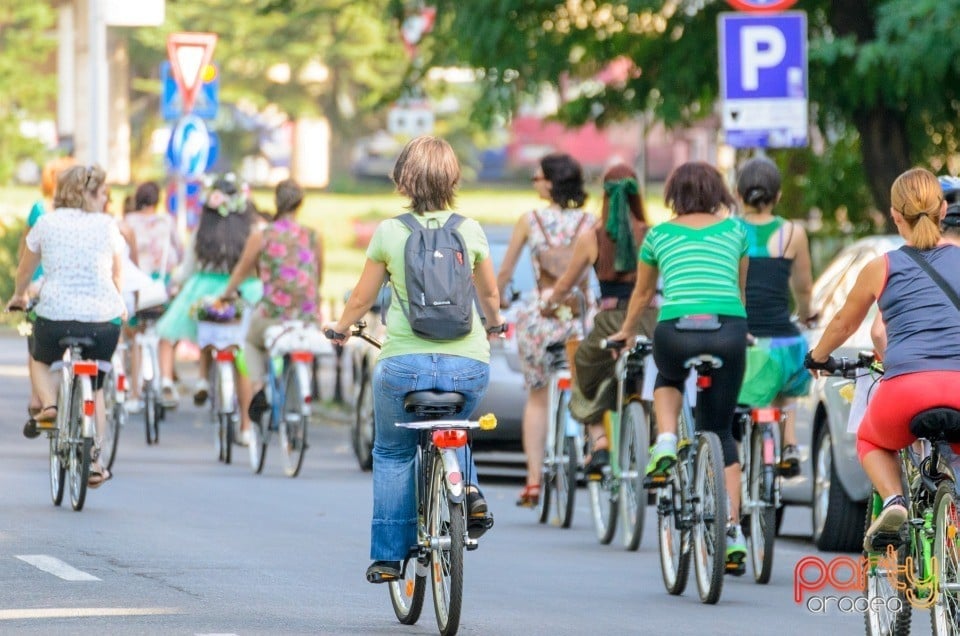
(842, 366)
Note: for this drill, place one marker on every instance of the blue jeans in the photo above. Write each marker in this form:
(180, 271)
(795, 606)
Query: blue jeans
(393, 531)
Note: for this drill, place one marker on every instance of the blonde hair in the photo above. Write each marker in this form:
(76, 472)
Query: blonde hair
(917, 196)
(427, 171)
(76, 186)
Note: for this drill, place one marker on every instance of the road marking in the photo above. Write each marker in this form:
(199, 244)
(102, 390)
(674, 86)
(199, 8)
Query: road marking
(14, 371)
(56, 567)
(83, 612)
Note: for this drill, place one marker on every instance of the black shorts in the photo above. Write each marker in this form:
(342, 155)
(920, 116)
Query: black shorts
(45, 345)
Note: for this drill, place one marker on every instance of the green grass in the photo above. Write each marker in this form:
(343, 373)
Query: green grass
(333, 214)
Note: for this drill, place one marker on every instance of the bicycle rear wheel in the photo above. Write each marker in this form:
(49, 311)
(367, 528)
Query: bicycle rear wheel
(673, 534)
(945, 616)
(881, 581)
(363, 432)
(406, 595)
(116, 416)
(258, 446)
(151, 405)
(603, 507)
(709, 531)
(565, 467)
(294, 421)
(634, 448)
(58, 468)
(762, 491)
(446, 528)
(78, 465)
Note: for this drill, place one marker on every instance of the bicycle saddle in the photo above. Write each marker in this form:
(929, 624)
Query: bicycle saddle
(938, 424)
(428, 402)
(75, 341)
(557, 347)
(703, 361)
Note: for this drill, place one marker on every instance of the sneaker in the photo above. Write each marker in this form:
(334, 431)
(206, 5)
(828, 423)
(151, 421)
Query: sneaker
(663, 455)
(598, 461)
(133, 406)
(245, 438)
(736, 550)
(790, 461)
(201, 393)
(885, 529)
(169, 397)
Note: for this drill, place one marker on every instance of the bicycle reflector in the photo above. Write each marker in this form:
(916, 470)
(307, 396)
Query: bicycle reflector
(85, 368)
(302, 356)
(704, 381)
(225, 355)
(88, 407)
(450, 438)
(564, 384)
(122, 383)
(766, 414)
(487, 422)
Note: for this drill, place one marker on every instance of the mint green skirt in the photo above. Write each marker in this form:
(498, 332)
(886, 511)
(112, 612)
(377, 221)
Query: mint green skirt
(176, 323)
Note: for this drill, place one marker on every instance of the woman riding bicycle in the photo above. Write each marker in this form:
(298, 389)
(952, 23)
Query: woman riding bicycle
(427, 173)
(289, 257)
(702, 256)
(922, 354)
(80, 251)
(612, 251)
(779, 263)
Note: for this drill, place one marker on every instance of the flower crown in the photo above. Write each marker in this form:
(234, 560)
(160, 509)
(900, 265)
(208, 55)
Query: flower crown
(222, 202)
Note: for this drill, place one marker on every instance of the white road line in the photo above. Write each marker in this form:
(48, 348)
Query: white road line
(56, 567)
(83, 612)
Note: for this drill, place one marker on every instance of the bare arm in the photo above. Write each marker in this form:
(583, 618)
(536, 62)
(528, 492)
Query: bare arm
(246, 264)
(878, 333)
(744, 266)
(363, 295)
(25, 269)
(585, 254)
(801, 274)
(487, 292)
(517, 240)
(854, 310)
(318, 254)
(117, 271)
(643, 291)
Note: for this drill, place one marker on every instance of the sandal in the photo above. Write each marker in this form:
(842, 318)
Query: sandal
(529, 496)
(98, 475)
(383, 571)
(46, 417)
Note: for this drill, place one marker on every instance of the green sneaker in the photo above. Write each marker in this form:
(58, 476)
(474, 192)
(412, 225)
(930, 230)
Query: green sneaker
(663, 455)
(736, 550)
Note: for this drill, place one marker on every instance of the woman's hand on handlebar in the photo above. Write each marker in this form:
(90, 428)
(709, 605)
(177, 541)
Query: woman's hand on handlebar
(19, 302)
(333, 331)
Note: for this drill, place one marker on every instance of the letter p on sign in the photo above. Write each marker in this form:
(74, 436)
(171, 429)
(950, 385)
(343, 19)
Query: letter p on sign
(761, 47)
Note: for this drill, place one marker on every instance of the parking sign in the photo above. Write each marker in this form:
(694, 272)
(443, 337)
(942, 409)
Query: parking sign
(763, 79)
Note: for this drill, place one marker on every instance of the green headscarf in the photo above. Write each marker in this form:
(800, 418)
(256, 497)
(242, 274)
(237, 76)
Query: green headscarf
(618, 223)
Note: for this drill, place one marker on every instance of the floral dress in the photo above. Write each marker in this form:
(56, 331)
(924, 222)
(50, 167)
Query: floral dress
(289, 271)
(535, 332)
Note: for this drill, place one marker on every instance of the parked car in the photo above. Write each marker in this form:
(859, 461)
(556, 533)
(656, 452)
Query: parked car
(505, 396)
(831, 480)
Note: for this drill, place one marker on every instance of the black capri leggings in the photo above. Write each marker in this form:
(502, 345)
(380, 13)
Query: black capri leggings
(671, 348)
(45, 346)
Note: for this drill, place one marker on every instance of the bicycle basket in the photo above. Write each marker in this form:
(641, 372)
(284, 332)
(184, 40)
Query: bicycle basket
(220, 335)
(294, 335)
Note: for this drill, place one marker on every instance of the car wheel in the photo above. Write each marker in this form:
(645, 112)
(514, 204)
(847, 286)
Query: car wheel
(835, 515)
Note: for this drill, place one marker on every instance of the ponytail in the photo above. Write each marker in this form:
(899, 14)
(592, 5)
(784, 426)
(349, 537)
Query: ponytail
(926, 232)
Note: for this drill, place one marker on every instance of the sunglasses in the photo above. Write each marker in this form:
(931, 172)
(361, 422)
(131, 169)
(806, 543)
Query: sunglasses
(537, 177)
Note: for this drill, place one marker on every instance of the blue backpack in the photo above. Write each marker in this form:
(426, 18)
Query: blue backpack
(439, 279)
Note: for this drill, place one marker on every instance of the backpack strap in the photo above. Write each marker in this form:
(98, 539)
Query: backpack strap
(408, 219)
(914, 254)
(454, 221)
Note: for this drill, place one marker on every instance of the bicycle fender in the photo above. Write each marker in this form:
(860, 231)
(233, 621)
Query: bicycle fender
(452, 476)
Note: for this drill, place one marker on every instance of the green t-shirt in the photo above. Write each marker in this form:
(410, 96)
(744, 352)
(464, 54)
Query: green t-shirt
(387, 247)
(700, 267)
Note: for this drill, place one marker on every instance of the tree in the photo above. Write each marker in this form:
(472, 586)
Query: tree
(884, 70)
(26, 93)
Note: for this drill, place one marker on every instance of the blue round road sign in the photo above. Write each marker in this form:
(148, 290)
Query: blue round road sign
(761, 6)
(189, 147)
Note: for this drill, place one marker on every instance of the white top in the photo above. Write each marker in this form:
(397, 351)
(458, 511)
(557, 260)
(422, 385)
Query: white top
(76, 251)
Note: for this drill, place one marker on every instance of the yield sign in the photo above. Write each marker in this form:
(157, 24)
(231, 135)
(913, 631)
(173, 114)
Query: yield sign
(190, 53)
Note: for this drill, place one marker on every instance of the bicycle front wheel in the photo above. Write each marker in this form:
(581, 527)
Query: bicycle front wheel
(446, 528)
(58, 469)
(78, 465)
(761, 488)
(150, 408)
(406, 595)
(709, 531)
(883, 578)
(294, 420)
(946, 549)
(634, 448)
(565, 467)
(673, 534)
(116, 416)
(603, 506)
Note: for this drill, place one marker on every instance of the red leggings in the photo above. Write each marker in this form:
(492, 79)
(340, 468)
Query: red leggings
(886, 424)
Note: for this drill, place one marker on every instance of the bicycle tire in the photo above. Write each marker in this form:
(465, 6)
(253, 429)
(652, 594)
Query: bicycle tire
(761, 489)
(548, 469)
(878, 588)
(634, 451)
(673, 535)
(115, 417)
(257, 449)
(293, 422)
(545, 499)
(364, 432)
(709, 531)
(407, 594)
(78, 465)
(945, 614)
(604, 509)
(150, 402)
(565, 468)
(445, 520)
(226, 437)
(58, 469)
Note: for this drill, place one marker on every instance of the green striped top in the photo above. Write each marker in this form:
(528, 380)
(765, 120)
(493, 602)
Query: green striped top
(700, 267)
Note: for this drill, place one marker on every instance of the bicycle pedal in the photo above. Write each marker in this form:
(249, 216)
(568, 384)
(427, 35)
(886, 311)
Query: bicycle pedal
(654, 481)
(736, 568)
(881, 540)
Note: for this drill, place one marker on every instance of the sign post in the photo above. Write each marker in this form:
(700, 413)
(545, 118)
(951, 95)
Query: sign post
(763, 79)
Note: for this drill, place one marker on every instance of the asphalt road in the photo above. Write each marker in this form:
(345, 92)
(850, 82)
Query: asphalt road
(178, 543)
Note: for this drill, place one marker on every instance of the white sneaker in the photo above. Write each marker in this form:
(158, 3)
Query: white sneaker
(245, 438)
(133, 406)
(201, 392)
(169, 397)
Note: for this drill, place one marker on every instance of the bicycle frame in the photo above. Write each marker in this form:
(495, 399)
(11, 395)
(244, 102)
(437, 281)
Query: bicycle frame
(149, 343)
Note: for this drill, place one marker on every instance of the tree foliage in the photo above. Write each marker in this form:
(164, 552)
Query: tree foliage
(883, 73)
(25, 94)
